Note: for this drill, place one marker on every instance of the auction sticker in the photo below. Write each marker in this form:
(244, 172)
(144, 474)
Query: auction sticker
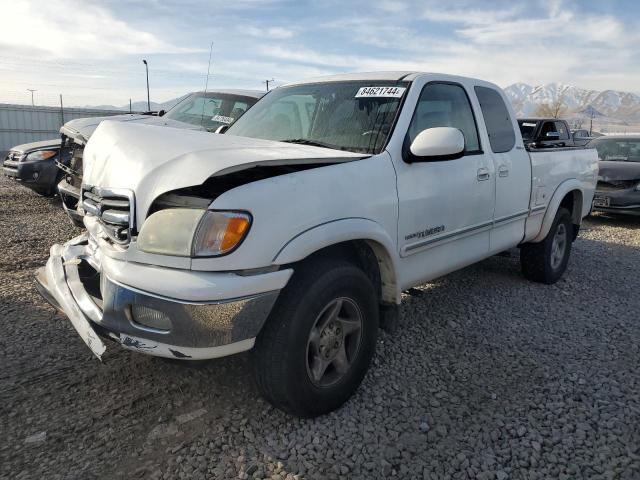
(222, 119)
(388, 92)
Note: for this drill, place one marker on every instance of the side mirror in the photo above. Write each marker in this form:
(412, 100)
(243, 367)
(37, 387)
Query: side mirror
(222, 128)
(438, 143)
(161, 113)
(552, 136)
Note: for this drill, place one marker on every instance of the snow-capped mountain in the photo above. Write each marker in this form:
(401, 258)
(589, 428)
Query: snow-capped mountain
(622, 106)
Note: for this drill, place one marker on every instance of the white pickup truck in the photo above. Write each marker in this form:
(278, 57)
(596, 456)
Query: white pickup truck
(294, 234)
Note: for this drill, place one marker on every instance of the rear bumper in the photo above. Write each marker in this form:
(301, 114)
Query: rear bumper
(98, 307)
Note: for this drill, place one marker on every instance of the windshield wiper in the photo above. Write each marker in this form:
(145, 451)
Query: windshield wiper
(313, 143)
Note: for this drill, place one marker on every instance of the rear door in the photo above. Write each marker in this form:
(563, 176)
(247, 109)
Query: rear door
(513, 170)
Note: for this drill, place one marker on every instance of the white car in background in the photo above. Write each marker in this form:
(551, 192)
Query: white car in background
(196, 111)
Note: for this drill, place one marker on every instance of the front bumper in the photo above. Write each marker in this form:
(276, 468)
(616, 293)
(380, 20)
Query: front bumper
(39, 176)
(617, 201)
(99, 307)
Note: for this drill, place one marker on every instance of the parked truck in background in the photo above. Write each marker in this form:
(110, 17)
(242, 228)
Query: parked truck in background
(547, 133)
(294, 234)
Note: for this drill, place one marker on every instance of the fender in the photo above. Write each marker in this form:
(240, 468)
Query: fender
(343, 230)
(553, 205)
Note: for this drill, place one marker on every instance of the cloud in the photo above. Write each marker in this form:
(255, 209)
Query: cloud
(74, 28)
(277, 33)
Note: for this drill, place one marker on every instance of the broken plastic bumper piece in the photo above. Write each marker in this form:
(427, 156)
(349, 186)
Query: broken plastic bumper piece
(99, 308)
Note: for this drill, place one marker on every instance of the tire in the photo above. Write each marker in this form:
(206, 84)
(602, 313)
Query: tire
(542, 262)
(301, 333)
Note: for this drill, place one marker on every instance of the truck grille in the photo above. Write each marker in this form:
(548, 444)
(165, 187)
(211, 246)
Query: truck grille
(114, 210)
(615, 185)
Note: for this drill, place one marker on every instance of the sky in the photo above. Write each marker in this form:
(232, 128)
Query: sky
(91, 51)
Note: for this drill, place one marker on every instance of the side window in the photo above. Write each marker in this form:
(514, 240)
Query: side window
(548, 127)
(498, 121)
(562, 130)
(238, 109)
(445, 105)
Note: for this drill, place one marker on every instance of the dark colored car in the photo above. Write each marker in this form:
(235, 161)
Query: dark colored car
(618, 189)
(34, 165)
(582, 137)
(208, 111)
(545, 133)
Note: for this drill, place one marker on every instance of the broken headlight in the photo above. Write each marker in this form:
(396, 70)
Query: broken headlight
(193, 232)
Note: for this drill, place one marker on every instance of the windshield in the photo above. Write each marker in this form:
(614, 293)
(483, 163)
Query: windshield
(527, 129)
(353, 116)
(620, 150)
(210, 110)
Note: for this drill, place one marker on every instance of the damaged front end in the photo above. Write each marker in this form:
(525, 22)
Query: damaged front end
(85, 285)
(155, 271)
(69, 186)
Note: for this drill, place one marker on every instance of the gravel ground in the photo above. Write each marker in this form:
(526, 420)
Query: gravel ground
(489, 377)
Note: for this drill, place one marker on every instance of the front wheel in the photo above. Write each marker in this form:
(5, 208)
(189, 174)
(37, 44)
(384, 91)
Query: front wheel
(318, 342)
(546, 261)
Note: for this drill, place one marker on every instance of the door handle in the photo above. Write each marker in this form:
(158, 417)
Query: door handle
(503, 171)
(483, 174)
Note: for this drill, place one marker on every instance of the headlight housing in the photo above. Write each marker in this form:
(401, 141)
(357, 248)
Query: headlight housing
(39, 155)
(191, 232)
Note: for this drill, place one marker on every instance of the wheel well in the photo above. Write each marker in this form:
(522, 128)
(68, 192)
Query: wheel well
(572, 201)
(372, 258)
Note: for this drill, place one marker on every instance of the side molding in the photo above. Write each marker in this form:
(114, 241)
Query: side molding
(552, 208)
(344, 230)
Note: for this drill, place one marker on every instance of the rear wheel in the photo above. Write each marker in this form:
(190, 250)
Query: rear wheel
(316, 346)
(546, 261)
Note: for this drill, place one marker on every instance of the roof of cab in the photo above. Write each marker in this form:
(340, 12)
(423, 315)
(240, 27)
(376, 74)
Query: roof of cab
(235, 91)
(346, 77)
(393, 76)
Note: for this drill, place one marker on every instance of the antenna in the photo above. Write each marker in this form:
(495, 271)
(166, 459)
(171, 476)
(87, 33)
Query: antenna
(206, 85)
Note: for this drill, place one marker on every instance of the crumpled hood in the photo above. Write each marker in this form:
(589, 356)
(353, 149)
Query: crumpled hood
(82, 128)
(151, 160)
(616, 171)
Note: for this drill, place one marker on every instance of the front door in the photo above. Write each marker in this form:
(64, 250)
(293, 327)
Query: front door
(445, 207)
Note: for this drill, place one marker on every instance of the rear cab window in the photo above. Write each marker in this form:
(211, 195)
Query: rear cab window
(561, 128)
(502, 136)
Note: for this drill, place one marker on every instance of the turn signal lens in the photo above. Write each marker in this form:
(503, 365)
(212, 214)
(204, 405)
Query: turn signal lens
(220, 233)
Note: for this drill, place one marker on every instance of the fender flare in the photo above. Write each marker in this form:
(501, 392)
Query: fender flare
(554, 204)
(343, 230)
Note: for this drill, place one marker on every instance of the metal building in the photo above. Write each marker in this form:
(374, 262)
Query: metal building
(24, 123)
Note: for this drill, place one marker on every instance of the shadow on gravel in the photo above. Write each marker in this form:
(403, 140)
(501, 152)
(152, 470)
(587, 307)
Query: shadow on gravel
(630, 222)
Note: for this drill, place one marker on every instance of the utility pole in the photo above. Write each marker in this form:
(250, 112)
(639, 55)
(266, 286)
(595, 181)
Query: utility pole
(34, 90)
(146, 66)
(267, 82)
(591, 124)
(129, 105)
(61, 110)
